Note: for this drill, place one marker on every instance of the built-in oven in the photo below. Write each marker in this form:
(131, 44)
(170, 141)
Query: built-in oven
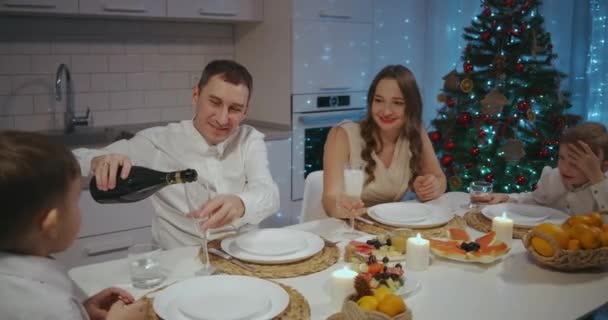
(312, 118)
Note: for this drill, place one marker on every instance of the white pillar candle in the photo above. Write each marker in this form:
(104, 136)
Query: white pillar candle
(353, 182)
(503, 226)
(342, 284)
(418, 251)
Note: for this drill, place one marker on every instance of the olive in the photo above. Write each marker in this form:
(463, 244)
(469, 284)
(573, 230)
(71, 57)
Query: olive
(385, 260)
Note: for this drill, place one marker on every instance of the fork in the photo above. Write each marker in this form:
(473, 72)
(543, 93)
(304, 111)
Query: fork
(230, 258)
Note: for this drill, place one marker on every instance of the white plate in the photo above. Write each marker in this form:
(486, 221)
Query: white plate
(436, 215)
(400, 212)
(525, 215)
(271, 242)
(314, 244)
(175, 302)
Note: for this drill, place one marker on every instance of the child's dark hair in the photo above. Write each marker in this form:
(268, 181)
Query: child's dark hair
(35, 175)
(592, 133)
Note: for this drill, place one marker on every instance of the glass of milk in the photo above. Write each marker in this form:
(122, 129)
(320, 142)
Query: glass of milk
(354, 178)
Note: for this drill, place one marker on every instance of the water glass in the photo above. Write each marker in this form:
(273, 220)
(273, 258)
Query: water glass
(481, 193)
(144, 266)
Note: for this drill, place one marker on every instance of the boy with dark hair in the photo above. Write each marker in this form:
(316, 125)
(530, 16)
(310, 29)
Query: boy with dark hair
(40, 189)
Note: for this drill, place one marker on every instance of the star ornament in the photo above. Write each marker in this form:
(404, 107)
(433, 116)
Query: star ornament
(493, 102)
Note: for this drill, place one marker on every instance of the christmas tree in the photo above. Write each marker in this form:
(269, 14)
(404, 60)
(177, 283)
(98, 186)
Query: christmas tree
(502, 115)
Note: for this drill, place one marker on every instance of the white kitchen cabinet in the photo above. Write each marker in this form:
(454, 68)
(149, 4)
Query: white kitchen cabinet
(343, 10)
(142, 8)
(220, 10)
(104, 247)
(39, 6)
(105, 218)
(279, 161)
(331, 56)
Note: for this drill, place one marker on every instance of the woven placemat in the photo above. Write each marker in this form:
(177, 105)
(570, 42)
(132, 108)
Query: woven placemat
(476, 220)
(298, 308)
(439, 232)
(320, 261)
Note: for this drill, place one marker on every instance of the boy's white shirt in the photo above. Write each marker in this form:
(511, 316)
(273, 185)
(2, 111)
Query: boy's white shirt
(34, 287)
(238, 165)
(552, 192)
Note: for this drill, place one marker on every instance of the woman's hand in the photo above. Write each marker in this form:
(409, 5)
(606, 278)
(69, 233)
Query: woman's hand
(350, 207)
(105, 168)
(427, 187)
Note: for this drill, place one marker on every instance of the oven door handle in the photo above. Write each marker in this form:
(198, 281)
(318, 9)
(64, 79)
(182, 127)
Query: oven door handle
(329, 119)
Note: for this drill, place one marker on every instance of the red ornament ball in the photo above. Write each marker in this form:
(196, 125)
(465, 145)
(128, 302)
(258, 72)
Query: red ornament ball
(508, 3)
(481, 133)
(487, 12)
(435, 136)
(468, 67)
(485, 36)
(523, 105)
(520, 180)
(544, 153)
(451, 102)
(464, 118)
(446, 160)
(449, 145)
(490, 177)
(468, 165)
(475, 151)
(520, 67)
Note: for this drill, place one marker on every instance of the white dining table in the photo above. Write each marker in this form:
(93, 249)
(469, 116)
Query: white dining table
(515, 287)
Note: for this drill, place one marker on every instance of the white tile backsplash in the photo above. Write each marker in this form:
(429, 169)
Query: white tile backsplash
(125, 71)
(108, 82)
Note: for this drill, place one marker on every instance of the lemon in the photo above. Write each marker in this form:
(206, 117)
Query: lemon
(391, 305)
(368, 303)
(381, 292)
(542, 247)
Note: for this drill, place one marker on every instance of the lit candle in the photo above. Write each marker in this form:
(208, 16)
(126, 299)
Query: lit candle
(342, 285)
(503, 226)
(417, 254)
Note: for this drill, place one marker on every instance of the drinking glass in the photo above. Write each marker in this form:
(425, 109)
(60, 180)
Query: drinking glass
(353, 187)
(144, 266)
(197, 194)
(481, 193)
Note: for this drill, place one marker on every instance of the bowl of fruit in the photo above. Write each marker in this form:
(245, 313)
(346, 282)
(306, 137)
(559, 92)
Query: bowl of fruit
(579, 243)
(386, 245)
(378, 303)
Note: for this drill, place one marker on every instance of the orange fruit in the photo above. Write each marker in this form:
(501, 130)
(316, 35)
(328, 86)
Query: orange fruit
(576, 220)
(574, 244)
(596, 219)
(382, 292)
(604, 238)
(605, 227)
(555, 231)
(588, 236)
(391, 305)
(368, 303)
(542, 247)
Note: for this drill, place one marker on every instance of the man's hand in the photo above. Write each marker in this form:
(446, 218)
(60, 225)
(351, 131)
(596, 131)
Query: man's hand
(498, 198)
(586, 161)
(98, 305)
(122, 311)
(427, 187)
(220, 211)
(105, 168)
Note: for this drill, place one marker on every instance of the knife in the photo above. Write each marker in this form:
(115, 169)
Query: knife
(230, 258)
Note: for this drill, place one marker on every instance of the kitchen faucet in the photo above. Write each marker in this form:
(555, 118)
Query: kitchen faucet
(70, 119)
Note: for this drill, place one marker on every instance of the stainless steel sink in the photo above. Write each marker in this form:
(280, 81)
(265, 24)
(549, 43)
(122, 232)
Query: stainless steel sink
(89, 136)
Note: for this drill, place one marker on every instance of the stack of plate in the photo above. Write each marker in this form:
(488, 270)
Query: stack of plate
(273, 246)
(525, 215)
(410, 214)
(221, 297)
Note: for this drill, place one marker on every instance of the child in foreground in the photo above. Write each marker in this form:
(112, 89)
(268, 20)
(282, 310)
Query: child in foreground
(40, 188)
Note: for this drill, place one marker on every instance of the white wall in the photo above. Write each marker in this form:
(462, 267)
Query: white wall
(124, 71)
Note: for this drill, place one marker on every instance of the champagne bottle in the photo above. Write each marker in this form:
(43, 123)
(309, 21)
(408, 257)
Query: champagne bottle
(140, 184)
